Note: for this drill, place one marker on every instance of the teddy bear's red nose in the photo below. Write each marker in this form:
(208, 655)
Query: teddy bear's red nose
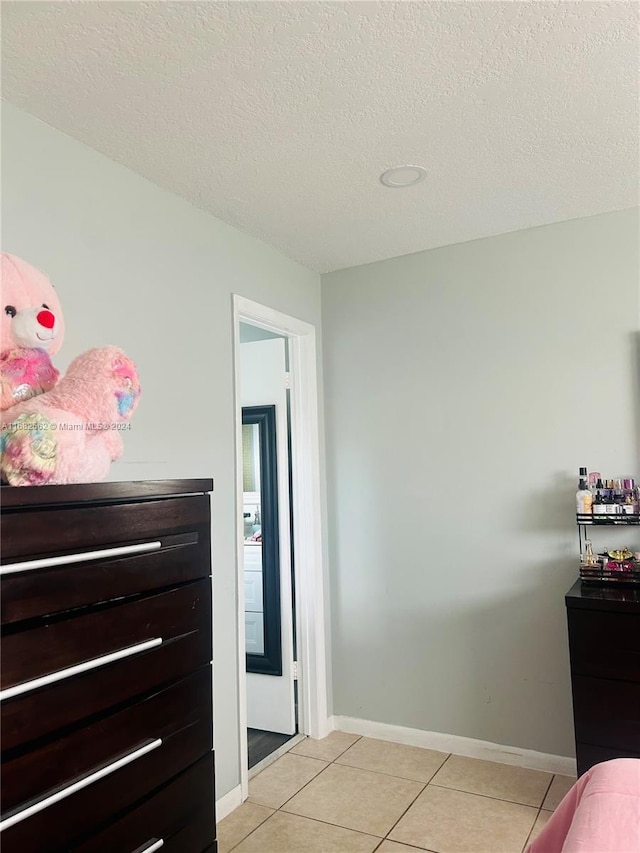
(46, 319)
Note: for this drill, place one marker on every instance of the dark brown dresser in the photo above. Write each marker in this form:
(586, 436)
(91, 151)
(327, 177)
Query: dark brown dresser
(106, 702)
(604, 646)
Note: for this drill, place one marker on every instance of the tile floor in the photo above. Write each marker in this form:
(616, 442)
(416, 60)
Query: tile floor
(350, 794)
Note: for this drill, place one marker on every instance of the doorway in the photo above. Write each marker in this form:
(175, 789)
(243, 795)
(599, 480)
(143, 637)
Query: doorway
(297, 484)
(267, 547)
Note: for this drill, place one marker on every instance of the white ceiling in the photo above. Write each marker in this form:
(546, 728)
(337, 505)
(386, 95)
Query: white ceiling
(278, 117)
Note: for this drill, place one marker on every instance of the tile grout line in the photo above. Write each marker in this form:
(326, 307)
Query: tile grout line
(412, 846)
(535, 820)
(328, 763)
(424, 785)
(404, 778)
(424, 788)
(306, 784)
(244, 838)
(391, 828)
(486, 796)
(328, 823)
(408, 779)
(330, 760)
(540, 810)
(546, 793)
(389, 775)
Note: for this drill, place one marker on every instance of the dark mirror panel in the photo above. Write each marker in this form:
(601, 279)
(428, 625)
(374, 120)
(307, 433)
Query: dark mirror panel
(261, 554)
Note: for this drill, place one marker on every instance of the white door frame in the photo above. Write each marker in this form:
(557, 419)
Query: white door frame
(313, 717)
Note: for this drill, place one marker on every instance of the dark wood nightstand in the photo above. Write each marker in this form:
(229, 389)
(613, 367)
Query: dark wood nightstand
(604, 647)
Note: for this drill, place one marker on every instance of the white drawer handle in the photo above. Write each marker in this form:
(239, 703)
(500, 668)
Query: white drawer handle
(26, 686)
(49, 562)
(77, 786)
(154, 844)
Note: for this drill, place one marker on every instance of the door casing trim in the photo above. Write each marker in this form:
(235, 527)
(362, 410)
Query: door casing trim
(313, 718)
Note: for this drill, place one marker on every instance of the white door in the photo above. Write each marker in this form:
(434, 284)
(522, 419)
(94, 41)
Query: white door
(270, 698)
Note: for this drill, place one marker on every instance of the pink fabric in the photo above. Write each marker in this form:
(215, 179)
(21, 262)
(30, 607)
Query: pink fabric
(600, 814)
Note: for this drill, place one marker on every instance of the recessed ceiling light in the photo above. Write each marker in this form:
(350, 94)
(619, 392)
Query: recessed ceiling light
(403, 176)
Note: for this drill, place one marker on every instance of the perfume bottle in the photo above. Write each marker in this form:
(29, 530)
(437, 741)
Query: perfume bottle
(588, 558)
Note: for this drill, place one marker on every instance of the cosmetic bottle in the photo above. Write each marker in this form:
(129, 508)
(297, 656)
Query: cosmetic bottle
(628, 505)
(584, 498)
(630, 492)
(599, 505)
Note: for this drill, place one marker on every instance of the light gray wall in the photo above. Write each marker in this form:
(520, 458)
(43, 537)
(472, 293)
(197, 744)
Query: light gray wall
(141, 268)
(464, 387)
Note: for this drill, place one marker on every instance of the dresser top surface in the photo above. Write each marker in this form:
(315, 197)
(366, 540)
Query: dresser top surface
(593, 597)
(29, 497)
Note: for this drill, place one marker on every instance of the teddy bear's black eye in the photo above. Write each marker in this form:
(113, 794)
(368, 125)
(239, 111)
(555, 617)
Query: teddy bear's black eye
(10, 310)
(44, 305)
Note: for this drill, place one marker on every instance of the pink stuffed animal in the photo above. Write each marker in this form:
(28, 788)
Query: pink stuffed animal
(24, 373)
(72, 433)
(31, 330)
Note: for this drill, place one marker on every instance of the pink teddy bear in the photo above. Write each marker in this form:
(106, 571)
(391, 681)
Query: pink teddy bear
(73, 431)
(31, 331)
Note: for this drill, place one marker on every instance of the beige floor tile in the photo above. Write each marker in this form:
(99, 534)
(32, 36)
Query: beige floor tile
(355, 799)
(394, 847)
(538, 826)
(328, 748)
(239, 824)
(455, 822)
(559, 787)
(396, 759)
(284, 778)
(286, 833)
(515, 784)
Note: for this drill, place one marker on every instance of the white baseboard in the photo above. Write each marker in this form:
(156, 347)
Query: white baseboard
(466, 746)
(226, 804)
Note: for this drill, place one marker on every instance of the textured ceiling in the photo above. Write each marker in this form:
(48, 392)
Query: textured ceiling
(280, 117)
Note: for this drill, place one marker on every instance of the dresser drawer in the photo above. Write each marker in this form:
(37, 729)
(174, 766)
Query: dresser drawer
(78, 812)
(105, 676)
(69, 701)
(605, 644)
(108, 575)
(607, 713)
(56, 531)
(188, 839)
(194, 837)
(54, 647)
(181, 814)
(60, 762)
